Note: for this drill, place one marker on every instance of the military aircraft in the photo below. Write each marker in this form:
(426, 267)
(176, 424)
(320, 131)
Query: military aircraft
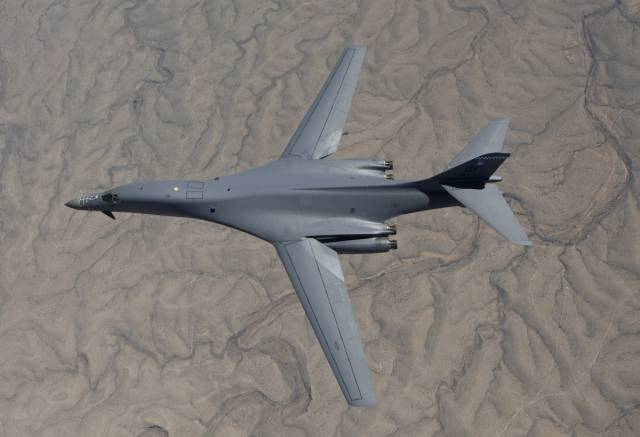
(312, 209)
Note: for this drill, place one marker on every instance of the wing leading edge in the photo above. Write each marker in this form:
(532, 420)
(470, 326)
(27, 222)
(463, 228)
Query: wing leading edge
(316, 275)
(321, 128)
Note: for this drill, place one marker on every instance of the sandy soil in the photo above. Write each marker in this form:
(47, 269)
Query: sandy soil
(152, 326)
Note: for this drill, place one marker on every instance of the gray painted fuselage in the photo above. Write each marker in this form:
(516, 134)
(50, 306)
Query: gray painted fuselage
(283, 200)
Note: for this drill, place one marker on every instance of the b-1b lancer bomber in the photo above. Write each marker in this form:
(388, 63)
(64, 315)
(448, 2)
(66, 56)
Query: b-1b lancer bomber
(312, 208)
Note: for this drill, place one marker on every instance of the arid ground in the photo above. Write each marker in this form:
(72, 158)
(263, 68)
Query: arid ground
(154, 326)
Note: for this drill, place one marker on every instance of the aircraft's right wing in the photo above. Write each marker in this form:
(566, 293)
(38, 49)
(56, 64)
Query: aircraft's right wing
(320, 131)
(316, 275)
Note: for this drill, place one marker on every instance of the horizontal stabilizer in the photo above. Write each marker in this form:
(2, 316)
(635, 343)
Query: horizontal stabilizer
(489, 204)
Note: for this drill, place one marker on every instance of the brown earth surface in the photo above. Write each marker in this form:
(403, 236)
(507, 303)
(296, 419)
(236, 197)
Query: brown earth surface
(154, 326)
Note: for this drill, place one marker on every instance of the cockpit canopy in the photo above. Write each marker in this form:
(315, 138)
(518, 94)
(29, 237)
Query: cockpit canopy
(109, 197)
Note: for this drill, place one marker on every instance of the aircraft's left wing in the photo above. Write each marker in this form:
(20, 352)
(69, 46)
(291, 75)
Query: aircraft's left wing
(316, 275)
(320, 131)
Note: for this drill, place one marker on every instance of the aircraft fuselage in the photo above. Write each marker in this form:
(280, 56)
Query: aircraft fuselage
(282, 200)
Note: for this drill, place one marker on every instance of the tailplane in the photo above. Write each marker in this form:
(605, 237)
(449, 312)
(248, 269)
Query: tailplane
(469, 178)
(489, 140)
(489, 204)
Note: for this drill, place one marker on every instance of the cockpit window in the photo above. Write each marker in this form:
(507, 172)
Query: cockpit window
(110, 198)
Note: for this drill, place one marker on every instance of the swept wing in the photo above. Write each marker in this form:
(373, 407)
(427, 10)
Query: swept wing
(316, 275)
(320, 131)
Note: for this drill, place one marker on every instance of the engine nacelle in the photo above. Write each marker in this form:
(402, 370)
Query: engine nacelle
(370, 164)
(363, 245)
(365, 167)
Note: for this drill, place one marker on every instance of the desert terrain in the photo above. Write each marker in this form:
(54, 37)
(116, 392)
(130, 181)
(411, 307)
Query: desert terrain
(155, 326)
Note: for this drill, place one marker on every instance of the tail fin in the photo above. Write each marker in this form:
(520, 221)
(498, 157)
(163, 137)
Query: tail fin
(469, 179)
(474, 165)
(474, 173)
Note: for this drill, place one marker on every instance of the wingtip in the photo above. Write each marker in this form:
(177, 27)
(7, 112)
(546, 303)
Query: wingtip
(357, 48)
(364, 402)
(523, 242)
(501, 120)
(367, 396)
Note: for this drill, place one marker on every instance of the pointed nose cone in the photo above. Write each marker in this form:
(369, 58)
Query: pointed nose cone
(74, 203)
